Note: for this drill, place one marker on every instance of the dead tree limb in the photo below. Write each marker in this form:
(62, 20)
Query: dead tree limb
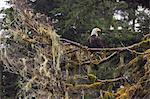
(104, 49)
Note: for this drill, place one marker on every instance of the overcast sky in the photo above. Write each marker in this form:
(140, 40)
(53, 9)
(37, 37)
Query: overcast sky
(3, 4)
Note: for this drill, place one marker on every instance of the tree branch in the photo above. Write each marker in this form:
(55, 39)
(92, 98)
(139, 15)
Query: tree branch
(104, 49)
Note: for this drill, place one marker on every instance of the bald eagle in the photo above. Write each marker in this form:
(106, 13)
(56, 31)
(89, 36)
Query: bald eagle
(95, 41)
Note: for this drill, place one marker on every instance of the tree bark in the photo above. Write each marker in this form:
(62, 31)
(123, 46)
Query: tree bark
(121, 59)
(1, 79)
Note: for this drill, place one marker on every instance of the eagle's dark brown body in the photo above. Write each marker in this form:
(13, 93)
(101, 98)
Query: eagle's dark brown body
(95, 42)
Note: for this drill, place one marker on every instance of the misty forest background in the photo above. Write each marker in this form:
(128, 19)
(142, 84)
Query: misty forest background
(119, 71)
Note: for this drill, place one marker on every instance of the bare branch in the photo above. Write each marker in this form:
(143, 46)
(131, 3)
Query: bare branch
(105, 49)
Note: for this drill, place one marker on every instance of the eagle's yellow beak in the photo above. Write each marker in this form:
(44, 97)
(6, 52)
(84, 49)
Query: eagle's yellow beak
(98, 30)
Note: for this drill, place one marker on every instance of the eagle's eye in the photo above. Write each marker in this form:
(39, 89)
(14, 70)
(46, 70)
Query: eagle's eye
(98, 32)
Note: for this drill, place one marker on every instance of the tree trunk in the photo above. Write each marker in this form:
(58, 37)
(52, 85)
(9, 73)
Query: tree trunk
(1, 79)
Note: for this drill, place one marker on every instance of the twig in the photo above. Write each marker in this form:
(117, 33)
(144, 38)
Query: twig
(134, 51)
(73, 43)
(93, 85)
(71, 51)
(103, 60)
(111, 80)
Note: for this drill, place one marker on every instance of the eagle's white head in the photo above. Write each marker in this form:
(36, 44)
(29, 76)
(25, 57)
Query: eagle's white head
(95, 31)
